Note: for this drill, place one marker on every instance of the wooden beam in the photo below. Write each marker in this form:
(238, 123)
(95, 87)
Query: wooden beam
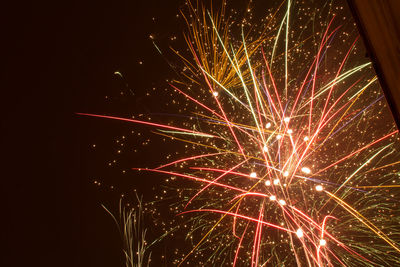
(379, 24)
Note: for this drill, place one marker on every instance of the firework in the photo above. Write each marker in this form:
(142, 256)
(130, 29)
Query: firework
(291, 152)
(133, 234)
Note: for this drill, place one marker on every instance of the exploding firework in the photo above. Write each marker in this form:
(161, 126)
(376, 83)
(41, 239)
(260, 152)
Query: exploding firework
(290, 150)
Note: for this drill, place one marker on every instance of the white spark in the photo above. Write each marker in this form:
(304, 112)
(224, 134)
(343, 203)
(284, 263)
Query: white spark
(306, 170)
(299, 233)
(319, 188)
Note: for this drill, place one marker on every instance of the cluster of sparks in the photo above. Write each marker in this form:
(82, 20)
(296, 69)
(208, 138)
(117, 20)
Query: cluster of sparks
(292, 151)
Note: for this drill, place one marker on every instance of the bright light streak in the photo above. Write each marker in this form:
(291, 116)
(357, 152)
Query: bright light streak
(322, 242)
(253, 175)
(273, 198)
(282, 202)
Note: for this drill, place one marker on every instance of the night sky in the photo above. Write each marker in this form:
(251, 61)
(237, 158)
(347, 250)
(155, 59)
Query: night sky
(60, 59)
(60, 167)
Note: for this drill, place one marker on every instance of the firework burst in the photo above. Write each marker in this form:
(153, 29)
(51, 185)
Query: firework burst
(291, 151)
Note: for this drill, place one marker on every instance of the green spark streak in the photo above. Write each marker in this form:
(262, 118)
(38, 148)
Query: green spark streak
(286, 47)
(223, 87)
(118, 73)
(237, 70)
(230, 60)
(365, 87)
(255, 86)
(277, 38)
(158, 49)
(339, 79)
(186, 133)
(365, 163)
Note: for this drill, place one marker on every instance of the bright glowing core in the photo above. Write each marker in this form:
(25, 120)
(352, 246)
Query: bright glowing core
(319, 188)
(299, 233)
(306, 170)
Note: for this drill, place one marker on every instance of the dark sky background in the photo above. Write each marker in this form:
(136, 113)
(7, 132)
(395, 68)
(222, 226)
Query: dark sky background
(60, 58)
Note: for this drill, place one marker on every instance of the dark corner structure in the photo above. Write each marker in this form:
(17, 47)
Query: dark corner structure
(379, 24)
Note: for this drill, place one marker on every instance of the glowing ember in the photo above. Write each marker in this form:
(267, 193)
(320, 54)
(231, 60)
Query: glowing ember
(299, 233)
(306, 170)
